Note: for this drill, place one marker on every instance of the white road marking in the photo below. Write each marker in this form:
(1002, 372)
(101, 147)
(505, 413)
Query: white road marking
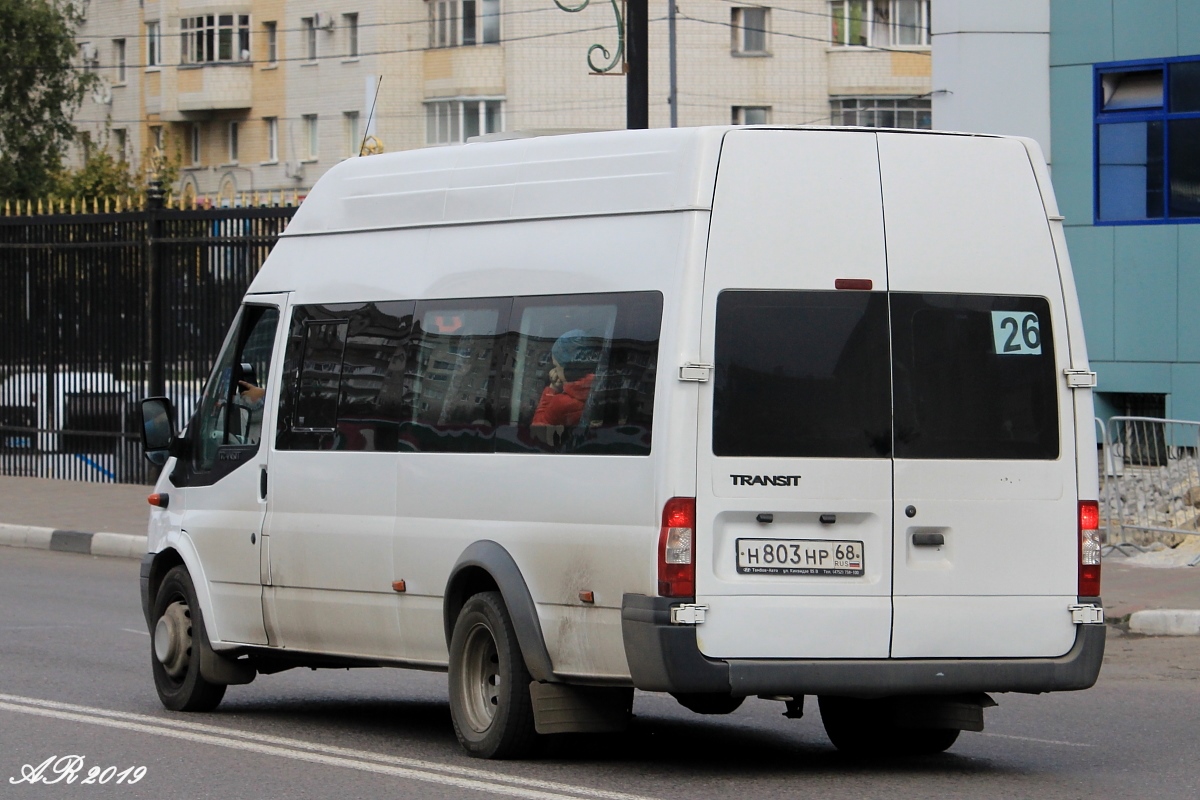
(131, 630)
(380, 763)
(1038, 741)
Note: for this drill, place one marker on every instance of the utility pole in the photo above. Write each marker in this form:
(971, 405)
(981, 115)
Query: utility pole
(637, 79)
(673, 94)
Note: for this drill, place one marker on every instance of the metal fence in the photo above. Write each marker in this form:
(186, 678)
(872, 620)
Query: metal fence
(1151, 480)
(98, 310)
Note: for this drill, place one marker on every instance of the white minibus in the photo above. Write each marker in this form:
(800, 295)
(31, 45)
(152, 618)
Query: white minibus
(721, 412)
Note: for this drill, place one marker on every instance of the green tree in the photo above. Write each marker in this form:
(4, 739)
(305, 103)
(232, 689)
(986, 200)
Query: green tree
(102, 175)
(39, 93)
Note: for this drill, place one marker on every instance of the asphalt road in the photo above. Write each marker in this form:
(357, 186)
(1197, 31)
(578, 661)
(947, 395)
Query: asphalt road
(75, 680)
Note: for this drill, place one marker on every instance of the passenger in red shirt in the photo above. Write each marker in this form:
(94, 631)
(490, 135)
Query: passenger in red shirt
(571, 377)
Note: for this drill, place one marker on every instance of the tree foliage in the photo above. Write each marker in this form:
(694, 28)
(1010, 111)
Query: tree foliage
(39, 93)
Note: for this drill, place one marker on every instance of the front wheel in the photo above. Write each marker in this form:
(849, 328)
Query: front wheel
(869, 728)
(490, 702)
(175, 647)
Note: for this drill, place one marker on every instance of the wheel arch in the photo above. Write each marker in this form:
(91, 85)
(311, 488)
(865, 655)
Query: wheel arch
(487, 566)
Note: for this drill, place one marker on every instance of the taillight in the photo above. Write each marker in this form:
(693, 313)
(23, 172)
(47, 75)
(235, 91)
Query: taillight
(676, 564)
(1089, 548)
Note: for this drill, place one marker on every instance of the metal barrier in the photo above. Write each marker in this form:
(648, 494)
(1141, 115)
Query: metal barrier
(1151, 481)
(100, 309)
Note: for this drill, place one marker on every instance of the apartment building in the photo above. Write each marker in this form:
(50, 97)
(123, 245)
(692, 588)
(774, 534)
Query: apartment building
(264, 95)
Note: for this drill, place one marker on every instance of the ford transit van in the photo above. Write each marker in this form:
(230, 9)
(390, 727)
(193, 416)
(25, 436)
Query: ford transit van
(719, 412)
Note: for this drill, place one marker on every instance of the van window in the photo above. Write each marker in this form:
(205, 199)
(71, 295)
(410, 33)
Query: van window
(450, 376)
(802, 374)
(355, 403)
(580, 374)
(226, 415)
(975, 377)
(320, 376)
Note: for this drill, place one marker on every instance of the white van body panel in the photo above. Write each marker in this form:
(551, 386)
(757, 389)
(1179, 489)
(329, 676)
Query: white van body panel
(996, 516)
(762, 244)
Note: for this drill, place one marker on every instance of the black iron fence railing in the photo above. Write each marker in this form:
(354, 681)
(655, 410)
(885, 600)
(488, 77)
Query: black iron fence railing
(100, 309)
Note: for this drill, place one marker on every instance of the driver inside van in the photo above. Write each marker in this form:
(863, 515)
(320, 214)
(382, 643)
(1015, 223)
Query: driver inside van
(571, 377)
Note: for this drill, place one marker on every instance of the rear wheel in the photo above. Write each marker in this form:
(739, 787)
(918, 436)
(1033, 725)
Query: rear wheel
(490, 702)
(175, 647)
(869, 728)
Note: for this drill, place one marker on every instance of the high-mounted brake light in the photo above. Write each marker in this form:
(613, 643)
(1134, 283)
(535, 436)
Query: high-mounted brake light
(676, 564)
(1089, 548)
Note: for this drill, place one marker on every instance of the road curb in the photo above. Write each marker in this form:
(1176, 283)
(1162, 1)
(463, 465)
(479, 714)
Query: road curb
(1165, 622)
(119, 545)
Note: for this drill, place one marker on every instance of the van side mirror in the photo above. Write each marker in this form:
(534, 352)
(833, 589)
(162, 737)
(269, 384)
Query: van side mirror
(158, 429)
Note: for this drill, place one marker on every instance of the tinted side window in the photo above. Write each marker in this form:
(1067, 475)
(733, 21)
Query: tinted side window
(345, 365)
(579, 374)
(975, 377)
(802, 374)
(450, 375)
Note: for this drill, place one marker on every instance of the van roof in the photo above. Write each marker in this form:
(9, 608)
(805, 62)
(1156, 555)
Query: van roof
(540, 177)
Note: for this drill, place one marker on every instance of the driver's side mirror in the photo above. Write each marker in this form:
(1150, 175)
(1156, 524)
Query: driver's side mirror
(158, 429)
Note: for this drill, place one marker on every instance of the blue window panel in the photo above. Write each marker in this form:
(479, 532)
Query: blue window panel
(1130, 170)
(1185, 86)
(1184, 172)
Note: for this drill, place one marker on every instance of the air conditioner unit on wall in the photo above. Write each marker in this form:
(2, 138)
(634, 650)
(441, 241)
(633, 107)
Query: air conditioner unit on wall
(323, 19)
(88, 52)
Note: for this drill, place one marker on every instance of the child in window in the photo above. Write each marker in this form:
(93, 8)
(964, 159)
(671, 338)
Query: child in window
(563, 401)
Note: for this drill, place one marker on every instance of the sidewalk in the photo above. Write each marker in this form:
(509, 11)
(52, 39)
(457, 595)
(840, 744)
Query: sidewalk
(56, 509)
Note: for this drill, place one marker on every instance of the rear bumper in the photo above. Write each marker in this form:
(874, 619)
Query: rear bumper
(665, 658)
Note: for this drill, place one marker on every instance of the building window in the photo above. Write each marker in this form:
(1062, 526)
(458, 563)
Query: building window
(882, 112)
(751, 115)
(118, 47)
(749, 26)
(350, 23)
(272, 139)
(879, 23)
(353, 133)
(195, 145)
(272, 31)
(1148, 141)
(214, 37)
(308, 27)
(153, 44)
(156, 137)
(448, 121)
(467, 22)
(310, 136)
(233, 143)
(121, 143)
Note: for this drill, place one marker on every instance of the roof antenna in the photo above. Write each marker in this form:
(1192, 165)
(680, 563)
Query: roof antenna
(370, 116)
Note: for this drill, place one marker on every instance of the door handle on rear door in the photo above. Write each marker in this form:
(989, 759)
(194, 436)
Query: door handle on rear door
(262, 484)
(928, 539)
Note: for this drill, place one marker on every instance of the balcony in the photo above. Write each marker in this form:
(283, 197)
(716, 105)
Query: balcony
(214, 87)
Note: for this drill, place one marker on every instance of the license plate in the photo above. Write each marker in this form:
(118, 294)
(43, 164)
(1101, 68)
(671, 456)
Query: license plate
(799, 557)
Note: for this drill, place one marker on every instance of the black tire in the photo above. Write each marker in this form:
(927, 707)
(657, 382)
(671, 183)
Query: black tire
(868, 728)
(178, 631)
(490, 702)
(708, 703)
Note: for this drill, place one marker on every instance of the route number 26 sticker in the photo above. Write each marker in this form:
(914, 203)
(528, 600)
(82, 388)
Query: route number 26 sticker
(1016, 333)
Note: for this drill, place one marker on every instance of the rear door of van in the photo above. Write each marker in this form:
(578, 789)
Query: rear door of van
(986, 498)
(794, 493)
